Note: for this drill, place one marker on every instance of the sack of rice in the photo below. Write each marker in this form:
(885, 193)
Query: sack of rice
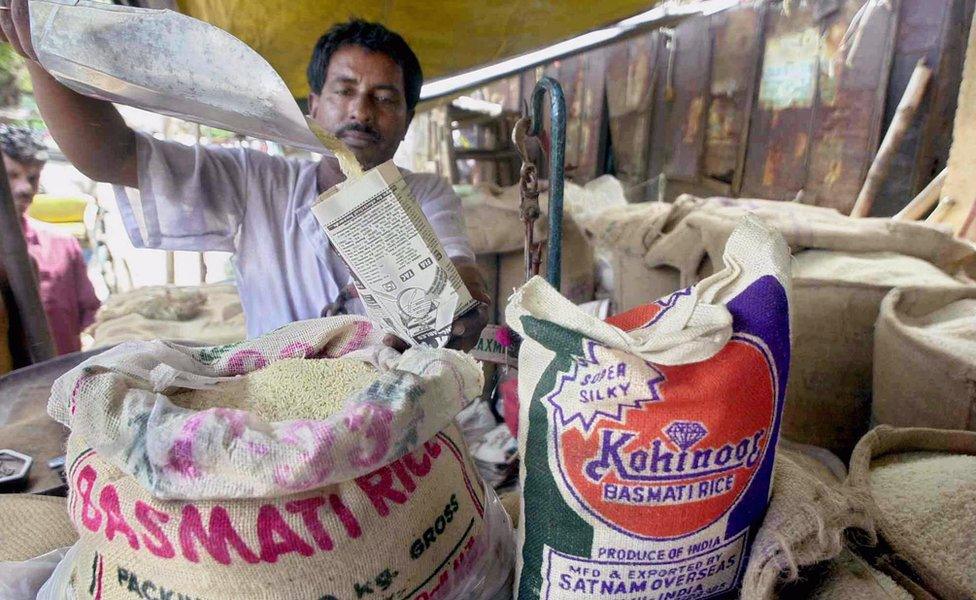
(497, 238)
(208, 314)
(851, 578)
(648, 441)
(836, 301)
(622, 235)
(312, 462)
(844, 267)
(921, 490)
(808, 515)
(925, 359)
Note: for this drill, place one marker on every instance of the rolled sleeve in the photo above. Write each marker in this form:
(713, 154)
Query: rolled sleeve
(189, 197)
(442, 207)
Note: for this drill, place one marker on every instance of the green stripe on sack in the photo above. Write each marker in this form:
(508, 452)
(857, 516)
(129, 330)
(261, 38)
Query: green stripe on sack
(562, 529)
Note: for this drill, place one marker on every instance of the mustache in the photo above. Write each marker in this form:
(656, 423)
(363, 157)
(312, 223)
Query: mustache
(360, 128)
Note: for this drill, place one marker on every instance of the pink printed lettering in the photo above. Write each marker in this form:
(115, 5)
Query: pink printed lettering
(401, 473)
(378, 486)
(374, 423)
(108, 499)
(309, 510)
(152, 520)
(215, 541)
(419, 469)
(349, 521)
(272, 525)
(84, 486)
(433, 447)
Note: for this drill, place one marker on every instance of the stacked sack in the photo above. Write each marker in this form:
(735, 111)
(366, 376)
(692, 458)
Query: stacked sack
(497, 239)
(179, 487)
(842, 271)
(207, 314)
(925, 359)
(920, 486)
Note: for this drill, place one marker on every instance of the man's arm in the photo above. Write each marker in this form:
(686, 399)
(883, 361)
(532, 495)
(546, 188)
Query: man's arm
(90, 132)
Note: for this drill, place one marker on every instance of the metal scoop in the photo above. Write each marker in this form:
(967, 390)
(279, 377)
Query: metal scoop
(168, 63)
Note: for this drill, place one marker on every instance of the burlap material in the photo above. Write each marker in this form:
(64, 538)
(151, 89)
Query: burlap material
(381, 497)
(33, 525)
(808, 515)
(929, 527)
(843, 270)
(648, 441)
(925, 359)
(837, 297)
(853, 579)
(623, 234)
(705, 225)
(219, 321)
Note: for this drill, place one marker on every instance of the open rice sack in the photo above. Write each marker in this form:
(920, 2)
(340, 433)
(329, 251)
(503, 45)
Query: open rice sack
(648, 441)
(809, 514)
(925, 358)
(921, 490)
(313, 462)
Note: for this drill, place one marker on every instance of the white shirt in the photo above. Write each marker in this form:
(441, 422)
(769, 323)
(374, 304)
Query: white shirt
(258, 207)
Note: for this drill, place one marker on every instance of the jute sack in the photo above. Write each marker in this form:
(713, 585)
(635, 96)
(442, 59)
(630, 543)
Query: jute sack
(33, 525)
(921, 489)
(134, 316)
(837, 297)
(379, 496)
(809, 513)
(699, 228)
(925, 358)
(851, 578)
(648, 441)
(622, 235)
(497, 238)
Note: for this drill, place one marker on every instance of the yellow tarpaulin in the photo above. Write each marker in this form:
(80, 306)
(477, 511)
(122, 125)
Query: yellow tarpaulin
(449, 36)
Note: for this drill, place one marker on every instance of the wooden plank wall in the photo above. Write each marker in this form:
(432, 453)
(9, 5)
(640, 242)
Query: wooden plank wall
(756, 102)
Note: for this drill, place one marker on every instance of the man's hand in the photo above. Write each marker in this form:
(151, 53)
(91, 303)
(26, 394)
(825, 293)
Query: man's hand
(467, 329)
(15, 25)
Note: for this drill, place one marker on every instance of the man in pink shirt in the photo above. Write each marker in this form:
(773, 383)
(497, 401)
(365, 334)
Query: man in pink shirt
(66, 292)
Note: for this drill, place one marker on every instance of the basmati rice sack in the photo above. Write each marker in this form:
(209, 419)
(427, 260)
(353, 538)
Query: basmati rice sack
(851, 578)
(921, 486)
(648, 442)
(328, 468)
(925, 359)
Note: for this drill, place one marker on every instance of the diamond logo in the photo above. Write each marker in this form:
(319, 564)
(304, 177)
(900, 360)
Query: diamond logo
(685, 434)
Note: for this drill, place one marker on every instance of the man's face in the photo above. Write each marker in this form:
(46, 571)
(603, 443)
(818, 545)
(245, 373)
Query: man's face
(24, 177)
(363, 103)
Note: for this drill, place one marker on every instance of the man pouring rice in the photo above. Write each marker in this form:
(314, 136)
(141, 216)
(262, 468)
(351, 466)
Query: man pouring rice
(364, 86)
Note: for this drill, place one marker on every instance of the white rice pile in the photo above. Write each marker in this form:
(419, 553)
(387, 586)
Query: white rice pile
(285, 390)
(934, 495)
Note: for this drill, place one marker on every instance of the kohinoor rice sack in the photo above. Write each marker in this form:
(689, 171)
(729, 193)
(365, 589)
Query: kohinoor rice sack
(648, 441)
(311, 463)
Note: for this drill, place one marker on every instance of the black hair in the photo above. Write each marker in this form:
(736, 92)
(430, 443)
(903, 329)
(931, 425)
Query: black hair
(22, 144)
(375, 38)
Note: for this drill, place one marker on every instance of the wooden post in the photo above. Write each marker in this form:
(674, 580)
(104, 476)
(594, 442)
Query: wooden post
(904, 116)
(22, 279)
(925, 200)
(960, 185)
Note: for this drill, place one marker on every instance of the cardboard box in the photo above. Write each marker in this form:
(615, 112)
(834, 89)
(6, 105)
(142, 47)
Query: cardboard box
(405, 278)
